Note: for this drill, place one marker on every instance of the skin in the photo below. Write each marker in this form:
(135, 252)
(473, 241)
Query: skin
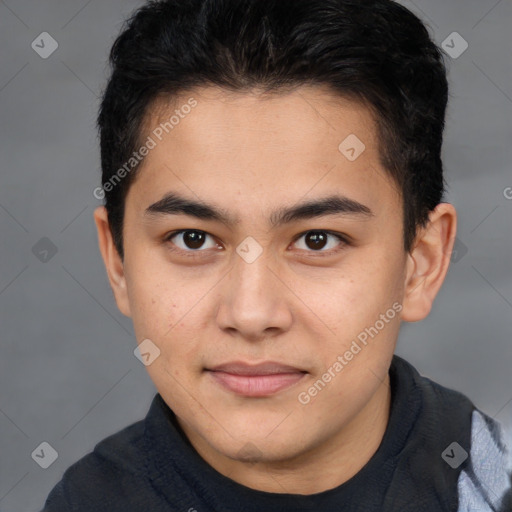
(295, 304)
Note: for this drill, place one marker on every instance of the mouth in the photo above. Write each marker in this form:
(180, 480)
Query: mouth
(259, 380)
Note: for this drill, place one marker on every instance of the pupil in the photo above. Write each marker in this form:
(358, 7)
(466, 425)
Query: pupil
(318, 240)
(193, 239)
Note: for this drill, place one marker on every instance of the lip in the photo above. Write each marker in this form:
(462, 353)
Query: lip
(257, 380)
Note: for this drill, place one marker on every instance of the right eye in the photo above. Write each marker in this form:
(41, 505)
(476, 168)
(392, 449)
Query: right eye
(190, 240)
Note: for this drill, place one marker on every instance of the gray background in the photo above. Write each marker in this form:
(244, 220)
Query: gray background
(68, 375)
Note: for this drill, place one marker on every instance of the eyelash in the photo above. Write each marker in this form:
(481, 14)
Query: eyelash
(197, 253)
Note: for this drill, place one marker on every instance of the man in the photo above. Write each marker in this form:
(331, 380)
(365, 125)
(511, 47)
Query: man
(273, 211)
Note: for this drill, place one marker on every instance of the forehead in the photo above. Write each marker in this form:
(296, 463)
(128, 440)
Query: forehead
(290, 143)
(287, 118)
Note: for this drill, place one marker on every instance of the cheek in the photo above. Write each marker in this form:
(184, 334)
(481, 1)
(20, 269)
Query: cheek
(363, 289)
(155, 314)
(155, 292)
(166, 312)
(348, 306)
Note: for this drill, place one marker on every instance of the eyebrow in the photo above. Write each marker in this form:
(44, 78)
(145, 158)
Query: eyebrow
(174, 204)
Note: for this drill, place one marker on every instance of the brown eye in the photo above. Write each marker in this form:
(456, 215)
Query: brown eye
(193, 239)
(190, 240)
(316, 241)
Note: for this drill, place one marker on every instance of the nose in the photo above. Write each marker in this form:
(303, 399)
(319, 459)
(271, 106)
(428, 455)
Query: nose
(254, 301)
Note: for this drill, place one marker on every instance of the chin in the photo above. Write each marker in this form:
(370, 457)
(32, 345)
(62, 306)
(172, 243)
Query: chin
(258, 448)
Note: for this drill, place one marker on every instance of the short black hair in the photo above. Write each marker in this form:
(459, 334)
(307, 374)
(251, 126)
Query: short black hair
(375, 52)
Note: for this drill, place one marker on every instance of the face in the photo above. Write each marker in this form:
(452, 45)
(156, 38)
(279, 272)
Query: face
(257, 301)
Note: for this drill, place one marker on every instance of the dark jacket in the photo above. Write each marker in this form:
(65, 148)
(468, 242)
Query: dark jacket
(439, 453)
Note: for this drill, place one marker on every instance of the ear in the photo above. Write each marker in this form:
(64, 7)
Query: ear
(428, 262)
(113, 263)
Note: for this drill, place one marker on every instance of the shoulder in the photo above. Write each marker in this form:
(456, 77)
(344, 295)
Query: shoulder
(486, 481)
(469, 447)
(441, 407)
(112, 477)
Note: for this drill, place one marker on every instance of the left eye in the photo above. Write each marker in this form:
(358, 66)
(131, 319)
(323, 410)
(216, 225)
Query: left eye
(318, 240)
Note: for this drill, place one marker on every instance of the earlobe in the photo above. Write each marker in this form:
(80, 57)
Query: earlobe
(113, 263)
(428, 262)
